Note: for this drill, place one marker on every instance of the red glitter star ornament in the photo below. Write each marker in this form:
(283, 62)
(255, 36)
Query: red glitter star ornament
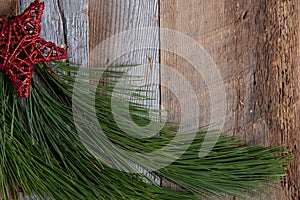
(21, 47)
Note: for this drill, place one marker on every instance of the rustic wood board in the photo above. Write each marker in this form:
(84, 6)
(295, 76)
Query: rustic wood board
(109, 19)
(66, 24)
(7, 8)
(255, 46)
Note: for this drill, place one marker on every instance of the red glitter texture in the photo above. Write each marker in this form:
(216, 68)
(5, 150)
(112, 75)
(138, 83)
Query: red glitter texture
(21, 47)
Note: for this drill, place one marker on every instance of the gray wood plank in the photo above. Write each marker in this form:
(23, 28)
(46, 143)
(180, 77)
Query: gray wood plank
(52, 24)
(66, 23)
(110, 18)
(75, 19)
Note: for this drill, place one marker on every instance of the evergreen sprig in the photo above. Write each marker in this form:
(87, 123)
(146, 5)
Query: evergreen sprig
(42, 153)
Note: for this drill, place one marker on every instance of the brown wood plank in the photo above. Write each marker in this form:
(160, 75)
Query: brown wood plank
(7, 8)
(255, 46)
(279, 79)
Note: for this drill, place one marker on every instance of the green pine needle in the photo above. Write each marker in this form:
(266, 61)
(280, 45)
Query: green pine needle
(43, 155)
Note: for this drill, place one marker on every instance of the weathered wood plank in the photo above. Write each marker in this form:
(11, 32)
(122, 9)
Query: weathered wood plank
(110, 18)
(52, 23)
(278, 80)
(66, 23)
(255, 46)
(193, 18)
(107, 20)
(7, 8)
(75, 19)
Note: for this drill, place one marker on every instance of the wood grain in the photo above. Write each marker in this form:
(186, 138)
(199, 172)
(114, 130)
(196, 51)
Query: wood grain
(109, 19)
(66, 23)
(8, 8)
(255, 46)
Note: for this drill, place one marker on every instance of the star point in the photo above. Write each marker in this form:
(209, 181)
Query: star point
(21, 47)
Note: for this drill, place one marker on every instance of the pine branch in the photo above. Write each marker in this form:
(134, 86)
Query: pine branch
(48, 159)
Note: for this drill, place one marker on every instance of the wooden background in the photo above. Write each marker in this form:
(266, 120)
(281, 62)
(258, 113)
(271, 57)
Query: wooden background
(255, 44)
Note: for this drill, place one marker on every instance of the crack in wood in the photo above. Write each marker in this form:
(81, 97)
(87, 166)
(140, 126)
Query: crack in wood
(64, 23)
